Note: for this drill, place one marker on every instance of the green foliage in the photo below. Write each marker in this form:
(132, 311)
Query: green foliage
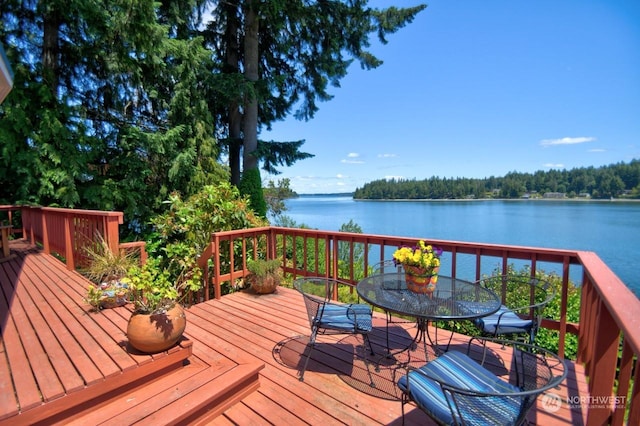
(347, 266)
(275, 196)
(184, 231)
(274, 154)
(262, 268)
(302, 49)
(153, 287)
(104, 265)
(618, 180)
(94, 296)
(118, 118)
(116, 105)
(251, 185)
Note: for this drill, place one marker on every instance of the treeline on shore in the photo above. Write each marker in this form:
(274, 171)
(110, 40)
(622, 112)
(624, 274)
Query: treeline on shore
(621, 180)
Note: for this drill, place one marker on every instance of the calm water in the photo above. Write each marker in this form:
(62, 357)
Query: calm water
(611, 229)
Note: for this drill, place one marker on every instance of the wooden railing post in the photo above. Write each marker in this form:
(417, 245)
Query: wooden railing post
(112, 234)
(68, 242)
(603, 369)
(216, 267)
(45, 232)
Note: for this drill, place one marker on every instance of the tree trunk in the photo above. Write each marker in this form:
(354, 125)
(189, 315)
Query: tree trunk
(51, 24)
(235, 116)
(251, 55)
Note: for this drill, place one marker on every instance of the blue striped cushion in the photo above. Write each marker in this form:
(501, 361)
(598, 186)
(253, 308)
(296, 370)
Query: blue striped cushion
(510, 322)
(458, 370)
(342, 317)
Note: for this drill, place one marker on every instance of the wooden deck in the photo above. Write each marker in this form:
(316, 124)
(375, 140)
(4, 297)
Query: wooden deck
(73, 367)
(60, 363)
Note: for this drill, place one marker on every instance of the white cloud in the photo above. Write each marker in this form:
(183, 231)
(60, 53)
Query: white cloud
(341, 176)
(387, 155)
(554, 166)
(350, 159)
(566, 141)
(597, 150)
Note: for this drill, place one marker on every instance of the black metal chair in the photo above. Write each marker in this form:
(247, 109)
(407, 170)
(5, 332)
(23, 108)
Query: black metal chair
(457, 388)
(327, 316)
(523, 302)
(386, 267)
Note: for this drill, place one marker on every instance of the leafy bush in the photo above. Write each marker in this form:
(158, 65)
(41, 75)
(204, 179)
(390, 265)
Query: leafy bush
(262, 268)
(184, 231)
(153, 288)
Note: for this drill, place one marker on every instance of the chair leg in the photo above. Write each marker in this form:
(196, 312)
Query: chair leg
(403, 401)
(388, 316)
(310, 346)
(365, 337)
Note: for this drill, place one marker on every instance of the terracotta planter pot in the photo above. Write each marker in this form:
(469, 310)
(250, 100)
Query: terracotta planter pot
(420, 280)
(264, 285)
(157, 332)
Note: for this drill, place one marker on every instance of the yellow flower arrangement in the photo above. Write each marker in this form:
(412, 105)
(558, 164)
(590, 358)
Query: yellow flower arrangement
(422, 256)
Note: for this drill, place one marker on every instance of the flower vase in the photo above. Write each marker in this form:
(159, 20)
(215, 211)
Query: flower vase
(421, 280)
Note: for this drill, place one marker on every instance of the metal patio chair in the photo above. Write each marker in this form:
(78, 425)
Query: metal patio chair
(458, 389)
(328, 316)
(523, 302)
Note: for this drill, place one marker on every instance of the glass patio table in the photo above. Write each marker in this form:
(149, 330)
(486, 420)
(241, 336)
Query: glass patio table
(453, 300)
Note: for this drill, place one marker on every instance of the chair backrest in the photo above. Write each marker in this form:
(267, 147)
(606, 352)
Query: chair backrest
(386, 267)
(525, 295)
(463, 387)
(532, 371)
(317, 291)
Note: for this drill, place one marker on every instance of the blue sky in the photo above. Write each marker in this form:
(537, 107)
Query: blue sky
(478, 89)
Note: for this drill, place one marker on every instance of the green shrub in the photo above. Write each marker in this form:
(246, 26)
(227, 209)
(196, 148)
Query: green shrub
(262, 268)
(184, 231)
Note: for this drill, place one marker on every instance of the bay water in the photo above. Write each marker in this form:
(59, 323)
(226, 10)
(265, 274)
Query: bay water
(609, 228)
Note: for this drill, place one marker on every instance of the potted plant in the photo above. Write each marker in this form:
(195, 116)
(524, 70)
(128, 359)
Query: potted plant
(264, 275)
(106, 269)
(421, 264)
(158, 320)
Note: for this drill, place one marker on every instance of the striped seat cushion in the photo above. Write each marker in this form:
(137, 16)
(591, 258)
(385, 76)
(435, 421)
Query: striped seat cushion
(343, 317)
(458, 370)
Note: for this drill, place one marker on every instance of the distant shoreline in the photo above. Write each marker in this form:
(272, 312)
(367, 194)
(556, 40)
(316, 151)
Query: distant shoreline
(577, 200)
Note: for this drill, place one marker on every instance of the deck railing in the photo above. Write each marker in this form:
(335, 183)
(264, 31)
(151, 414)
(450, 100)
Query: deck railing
(68, 232)
(609, 318)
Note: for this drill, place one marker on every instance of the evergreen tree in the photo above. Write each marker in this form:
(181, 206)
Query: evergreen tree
(285, 54)
(106, 110)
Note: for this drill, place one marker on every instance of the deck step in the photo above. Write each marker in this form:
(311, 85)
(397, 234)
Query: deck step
(94, 394)
(195, 394)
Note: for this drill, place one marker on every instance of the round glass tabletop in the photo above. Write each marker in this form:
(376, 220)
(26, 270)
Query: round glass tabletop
(453, 299)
